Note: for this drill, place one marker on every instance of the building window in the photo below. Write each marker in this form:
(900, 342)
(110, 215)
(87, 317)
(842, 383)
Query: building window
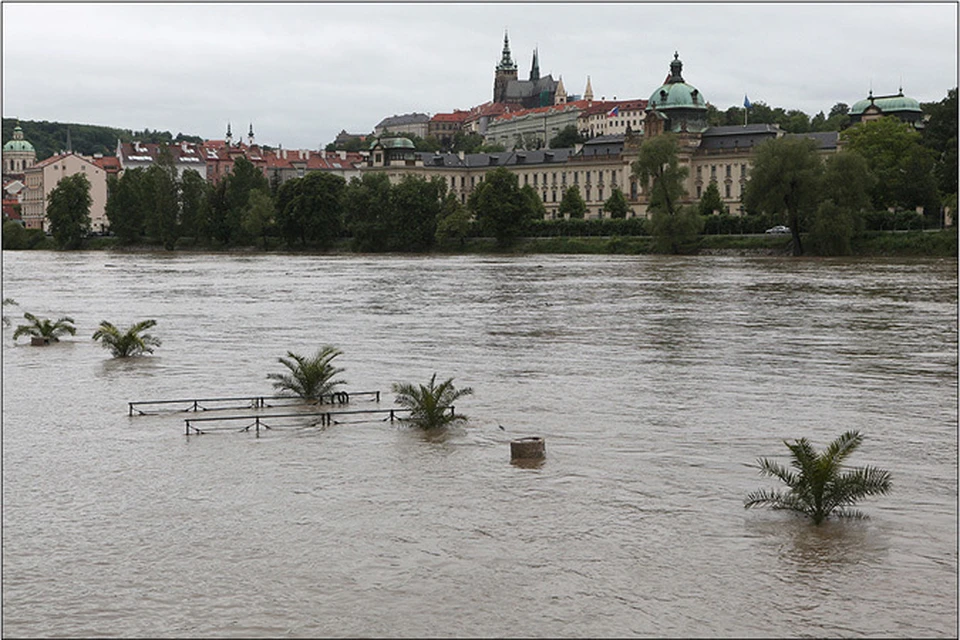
(728, 170)
(713, 171)
(534, 179)
(699, 191)
(553, 196)
(727, 189)
(526, 179)
(599, 193)
(473, 181)
(633, 189)
(743, 170)
(576, 177)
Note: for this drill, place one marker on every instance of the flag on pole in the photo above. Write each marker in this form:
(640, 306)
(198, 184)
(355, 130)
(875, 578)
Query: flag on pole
(746, 102)
(613, 112)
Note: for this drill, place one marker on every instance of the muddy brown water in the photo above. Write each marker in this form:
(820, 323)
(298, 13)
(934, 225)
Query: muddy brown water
(656, 382)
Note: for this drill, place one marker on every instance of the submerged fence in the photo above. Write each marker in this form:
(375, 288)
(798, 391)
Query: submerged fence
(246, 402)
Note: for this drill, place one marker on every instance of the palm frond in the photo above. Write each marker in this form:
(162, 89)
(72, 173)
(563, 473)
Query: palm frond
(431, 405)
(817, 487)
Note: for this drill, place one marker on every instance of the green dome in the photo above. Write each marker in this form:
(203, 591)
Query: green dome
(18, 143)
(887, 104)
(678, 94)
(675, 93)
(393, 143)
(398, 143)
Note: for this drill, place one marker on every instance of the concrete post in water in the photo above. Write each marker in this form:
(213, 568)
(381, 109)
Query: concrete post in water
(532, 448)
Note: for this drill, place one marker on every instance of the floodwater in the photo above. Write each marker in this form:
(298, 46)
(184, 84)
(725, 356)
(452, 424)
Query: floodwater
(656, 383)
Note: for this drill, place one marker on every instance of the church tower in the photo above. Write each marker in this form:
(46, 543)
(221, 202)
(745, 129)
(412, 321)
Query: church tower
(506, 71)
(560, 96)
(535, 67)
(588, 92)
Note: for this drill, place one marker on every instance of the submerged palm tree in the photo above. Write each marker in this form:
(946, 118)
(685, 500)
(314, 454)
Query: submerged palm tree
(6, 318)
(133, 342)
(44, 328)
(817, 487)
(310, 378)
(431, 406)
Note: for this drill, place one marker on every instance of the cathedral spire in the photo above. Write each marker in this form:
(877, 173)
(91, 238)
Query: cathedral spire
(506, 62)
(588, 92)
(535, 67)
(250, 135)
(229, 138)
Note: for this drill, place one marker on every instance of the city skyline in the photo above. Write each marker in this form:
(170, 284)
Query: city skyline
(299, 73)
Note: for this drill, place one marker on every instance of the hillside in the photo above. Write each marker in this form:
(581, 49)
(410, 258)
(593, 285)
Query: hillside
(49, 138)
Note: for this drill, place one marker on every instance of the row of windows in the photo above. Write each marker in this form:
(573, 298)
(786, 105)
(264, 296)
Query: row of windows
(726, 191)
(576, 177)
(727, 168)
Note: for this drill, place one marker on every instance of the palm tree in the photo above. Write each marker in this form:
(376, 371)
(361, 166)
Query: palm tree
(818, 489)
(431, 406)
(6, 318)
(133, 342)
(310, 378)
(44, 328)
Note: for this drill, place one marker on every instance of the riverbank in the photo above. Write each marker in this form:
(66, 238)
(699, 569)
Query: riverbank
(937, 243)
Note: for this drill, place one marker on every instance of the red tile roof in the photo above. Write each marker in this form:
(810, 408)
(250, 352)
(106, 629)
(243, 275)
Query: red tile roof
(456, 116)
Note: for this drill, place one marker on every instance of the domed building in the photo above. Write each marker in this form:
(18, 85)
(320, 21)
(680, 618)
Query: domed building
(385, 152)
(18, 154)
(876, 107)
(676, 106)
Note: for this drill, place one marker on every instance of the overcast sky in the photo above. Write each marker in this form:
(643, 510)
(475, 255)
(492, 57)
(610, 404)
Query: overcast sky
(301, 72)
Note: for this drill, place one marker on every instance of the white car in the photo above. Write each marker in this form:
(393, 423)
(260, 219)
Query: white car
(778, 229)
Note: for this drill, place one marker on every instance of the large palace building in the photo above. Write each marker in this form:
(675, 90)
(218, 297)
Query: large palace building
(712, 154)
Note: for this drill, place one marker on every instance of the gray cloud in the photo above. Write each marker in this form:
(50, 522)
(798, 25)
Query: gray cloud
(302, 72)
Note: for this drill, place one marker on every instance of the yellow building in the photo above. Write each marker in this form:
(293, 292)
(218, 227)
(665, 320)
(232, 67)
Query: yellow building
(44, 176)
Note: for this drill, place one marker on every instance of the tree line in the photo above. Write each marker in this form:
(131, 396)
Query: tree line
(50, 138)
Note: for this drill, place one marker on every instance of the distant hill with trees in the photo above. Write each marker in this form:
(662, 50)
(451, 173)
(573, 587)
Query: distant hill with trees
(49, 138)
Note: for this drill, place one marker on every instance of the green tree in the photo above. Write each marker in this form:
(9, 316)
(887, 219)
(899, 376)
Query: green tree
(258, 217)
(940, 135)
(244, 177)
(45, 328)
(194, 205)
(617, 205)
(784, 182)
(499, 206)
(534, 208)
(68, 210)
(657, 169)
(844, 195)
(416, 206)
(129, 343)
(467, 141)
(218, 225)
(319, 206)
(126, 203)
(309, 377)
(368, 210)
(566, 138)
(572, 204)
(711, 202)
(430, 405)
(454, 220)
(162, 190)
(14, 235)
(903, 168)
(818, 486)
